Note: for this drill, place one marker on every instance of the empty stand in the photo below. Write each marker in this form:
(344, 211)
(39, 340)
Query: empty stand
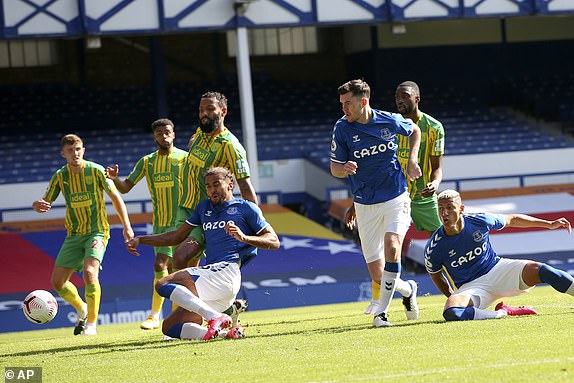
(293, 121)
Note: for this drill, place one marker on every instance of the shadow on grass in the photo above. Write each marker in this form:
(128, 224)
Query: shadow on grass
(342, 329)
(100, 348)
(103, 348)
(298, 321)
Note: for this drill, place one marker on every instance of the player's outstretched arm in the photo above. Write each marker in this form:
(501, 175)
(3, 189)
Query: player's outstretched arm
(112, 173)
(266, 239)
(169, 238)
(123, 186)
(524, 221)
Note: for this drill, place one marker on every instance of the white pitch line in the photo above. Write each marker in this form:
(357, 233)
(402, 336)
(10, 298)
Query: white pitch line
(441, 371)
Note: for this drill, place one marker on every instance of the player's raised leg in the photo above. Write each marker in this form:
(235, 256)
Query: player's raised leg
(181, 289)
(535, 273)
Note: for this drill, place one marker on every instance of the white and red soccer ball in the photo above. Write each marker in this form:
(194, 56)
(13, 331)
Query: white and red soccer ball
(40, 306)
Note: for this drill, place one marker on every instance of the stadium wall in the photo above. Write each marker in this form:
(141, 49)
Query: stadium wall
(298, 176)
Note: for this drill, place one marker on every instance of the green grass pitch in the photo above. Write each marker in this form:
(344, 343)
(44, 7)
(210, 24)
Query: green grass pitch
(331, 343)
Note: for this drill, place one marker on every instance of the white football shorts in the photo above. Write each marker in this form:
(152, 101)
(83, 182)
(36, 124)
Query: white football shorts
(503, 280)
(217, 284)
(373, 221)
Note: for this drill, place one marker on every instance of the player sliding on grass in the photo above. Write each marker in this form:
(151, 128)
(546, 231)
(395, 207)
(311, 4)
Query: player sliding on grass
(461, 249)
(233, 230)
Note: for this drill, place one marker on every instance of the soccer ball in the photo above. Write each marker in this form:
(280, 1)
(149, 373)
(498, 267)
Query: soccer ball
(40, 306)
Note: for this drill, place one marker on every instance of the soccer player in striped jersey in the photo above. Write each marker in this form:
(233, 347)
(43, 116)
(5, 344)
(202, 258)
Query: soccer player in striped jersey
(422, 191)
(212, 145)
(461, 250)
(234, 229)
(82, 184)
(424, 207)
(162, 172)
(364, 148)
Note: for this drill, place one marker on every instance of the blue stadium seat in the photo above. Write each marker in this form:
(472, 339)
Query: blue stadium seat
(115, 123)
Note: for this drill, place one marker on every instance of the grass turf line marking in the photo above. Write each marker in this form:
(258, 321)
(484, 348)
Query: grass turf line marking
(441, 371)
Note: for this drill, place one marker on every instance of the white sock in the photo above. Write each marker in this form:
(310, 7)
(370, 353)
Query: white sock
(89, 324)
(223, 332)
(84, 311)
(192, 330)
(388, 286)
(404, 288)
(488, 314)
(570, 290)
(185, 298)
(154, 314)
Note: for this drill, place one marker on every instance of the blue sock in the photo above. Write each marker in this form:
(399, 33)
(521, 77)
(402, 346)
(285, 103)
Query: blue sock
(393, 267)
(175, 331)
(166, 290)
(457, 313)
(560, 280)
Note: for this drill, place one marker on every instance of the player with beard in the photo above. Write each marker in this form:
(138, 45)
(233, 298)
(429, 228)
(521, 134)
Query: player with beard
(162, 171)
(212, 145)
(234, 229)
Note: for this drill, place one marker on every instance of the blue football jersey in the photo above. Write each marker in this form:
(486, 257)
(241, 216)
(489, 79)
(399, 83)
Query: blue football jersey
(373, 146)
(467, 255)
(221, 246)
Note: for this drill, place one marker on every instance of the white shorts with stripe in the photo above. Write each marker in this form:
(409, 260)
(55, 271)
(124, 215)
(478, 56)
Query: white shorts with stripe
(503, 280)
(373, 221)
(217, 284)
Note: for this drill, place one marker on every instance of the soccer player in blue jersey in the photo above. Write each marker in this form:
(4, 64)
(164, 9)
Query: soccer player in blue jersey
(422, 191)
(234, 229)
(364, 148)
(461, 250)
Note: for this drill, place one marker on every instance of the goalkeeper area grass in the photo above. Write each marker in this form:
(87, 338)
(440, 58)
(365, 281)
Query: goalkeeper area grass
(328, 344)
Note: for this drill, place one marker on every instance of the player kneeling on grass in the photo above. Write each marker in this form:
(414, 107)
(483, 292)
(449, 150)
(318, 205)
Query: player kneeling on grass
(461, 248)
(234, 229)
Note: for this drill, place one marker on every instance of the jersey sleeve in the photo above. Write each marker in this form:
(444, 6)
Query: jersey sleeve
(431, 252)
(436, 140)
(238, 160)
(138, 171)
(106, 183)
(195, 217)
(495, 221)
(255, 217)
(53, 190)
(404, 125)
(339, 150)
